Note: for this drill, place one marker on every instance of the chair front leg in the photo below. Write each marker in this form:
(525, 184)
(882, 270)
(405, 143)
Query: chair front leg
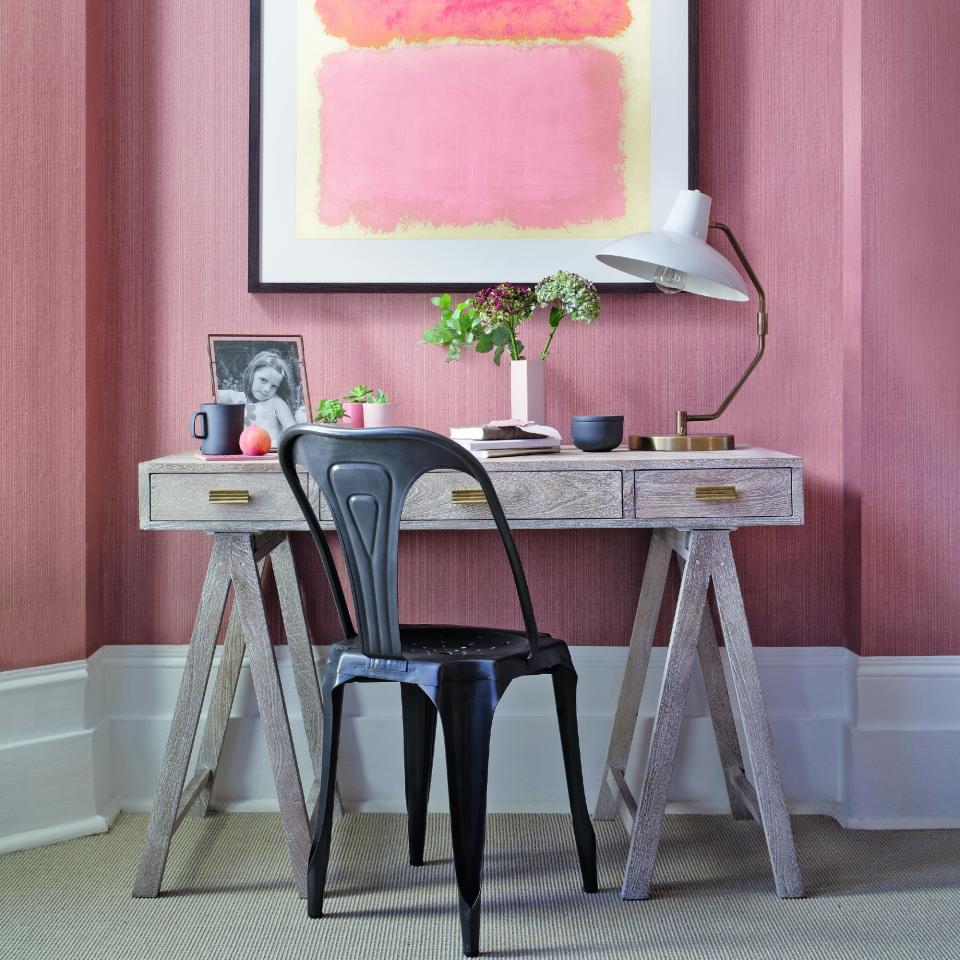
(565, 694)
(320, 849)
(466, 712)
(419, 736)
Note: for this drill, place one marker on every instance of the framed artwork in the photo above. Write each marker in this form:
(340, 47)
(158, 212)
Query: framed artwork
(413, 145)
(265, 373)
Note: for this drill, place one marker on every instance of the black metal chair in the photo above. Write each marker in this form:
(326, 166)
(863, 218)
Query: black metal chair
(459, 672)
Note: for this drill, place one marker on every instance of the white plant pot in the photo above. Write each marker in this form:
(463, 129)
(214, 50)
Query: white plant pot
(526, 391)
(378, 414)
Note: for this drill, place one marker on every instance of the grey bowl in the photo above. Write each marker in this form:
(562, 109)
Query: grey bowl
(597, 434)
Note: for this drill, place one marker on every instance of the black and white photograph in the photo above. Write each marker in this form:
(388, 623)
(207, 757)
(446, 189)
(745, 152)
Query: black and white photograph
(265, 373)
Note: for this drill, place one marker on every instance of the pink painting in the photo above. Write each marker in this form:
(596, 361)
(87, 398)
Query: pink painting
(465, 134)
(454, 142)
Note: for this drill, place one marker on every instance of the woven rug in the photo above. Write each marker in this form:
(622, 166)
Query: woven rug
(228, 894)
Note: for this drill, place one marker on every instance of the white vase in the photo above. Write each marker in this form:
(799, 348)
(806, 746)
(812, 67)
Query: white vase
(526, 391)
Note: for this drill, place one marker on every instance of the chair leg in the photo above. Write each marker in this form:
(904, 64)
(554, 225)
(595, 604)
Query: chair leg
(419, 735)
(320, 849)
(466, 712)
(565, 694)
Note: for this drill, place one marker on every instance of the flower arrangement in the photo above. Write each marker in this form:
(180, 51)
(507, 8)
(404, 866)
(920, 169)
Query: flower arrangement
(567, 295)
(490, 320)
(501, 309)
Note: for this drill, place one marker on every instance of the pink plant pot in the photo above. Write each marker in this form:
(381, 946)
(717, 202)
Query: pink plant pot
(353, 415)
(378, 414)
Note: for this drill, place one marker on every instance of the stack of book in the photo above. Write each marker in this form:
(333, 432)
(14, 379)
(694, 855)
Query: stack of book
(507, 441)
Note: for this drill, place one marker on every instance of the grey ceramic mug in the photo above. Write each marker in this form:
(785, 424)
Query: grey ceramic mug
(220, 427)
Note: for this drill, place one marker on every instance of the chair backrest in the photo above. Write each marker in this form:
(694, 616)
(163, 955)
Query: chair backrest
(365, 476)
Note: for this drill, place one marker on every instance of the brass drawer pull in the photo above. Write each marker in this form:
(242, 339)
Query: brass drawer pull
(230, 496)
(467, 496)
(715, 494)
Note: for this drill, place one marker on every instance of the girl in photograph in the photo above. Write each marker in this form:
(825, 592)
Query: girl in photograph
(268, 394)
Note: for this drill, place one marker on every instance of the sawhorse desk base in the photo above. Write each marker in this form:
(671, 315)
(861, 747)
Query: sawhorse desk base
(704, 557)
(237, 560)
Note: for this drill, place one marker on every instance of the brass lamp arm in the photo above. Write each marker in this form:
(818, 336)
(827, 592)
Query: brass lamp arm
(682, 416)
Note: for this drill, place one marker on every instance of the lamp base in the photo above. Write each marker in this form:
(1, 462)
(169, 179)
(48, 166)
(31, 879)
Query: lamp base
(682, 443)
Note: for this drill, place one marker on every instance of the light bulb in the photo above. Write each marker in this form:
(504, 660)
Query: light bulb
(669, 281)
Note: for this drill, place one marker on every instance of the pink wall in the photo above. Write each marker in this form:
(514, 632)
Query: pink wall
(911, 328)
(176, 148)
(166, 188)
(43, 319)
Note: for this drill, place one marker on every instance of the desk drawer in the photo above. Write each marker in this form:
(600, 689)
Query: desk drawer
(524, 495)
(713, 493)
(200, 497)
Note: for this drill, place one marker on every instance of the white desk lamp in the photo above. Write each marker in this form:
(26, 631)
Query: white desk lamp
(678, 258)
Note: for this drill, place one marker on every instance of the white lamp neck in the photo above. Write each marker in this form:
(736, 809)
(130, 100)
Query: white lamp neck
(690, 214)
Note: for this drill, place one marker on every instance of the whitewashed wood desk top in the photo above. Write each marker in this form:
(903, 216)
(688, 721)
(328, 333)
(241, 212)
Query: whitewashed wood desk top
(570, 489)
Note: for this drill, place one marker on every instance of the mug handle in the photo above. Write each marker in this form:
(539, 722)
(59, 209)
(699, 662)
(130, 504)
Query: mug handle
(193, 426)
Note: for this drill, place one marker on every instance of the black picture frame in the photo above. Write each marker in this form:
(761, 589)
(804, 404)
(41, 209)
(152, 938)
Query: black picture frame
(245, 346)
(256, 285)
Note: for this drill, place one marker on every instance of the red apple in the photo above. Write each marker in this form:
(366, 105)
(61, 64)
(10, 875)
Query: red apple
(255, 441)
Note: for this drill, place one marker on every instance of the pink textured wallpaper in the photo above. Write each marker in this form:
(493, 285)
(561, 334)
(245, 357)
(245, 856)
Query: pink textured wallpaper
(176, 156)
(123, 243)
(42, 317)
(911, 329)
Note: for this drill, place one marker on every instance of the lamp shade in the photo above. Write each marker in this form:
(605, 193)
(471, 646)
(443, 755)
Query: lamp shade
(678, 257)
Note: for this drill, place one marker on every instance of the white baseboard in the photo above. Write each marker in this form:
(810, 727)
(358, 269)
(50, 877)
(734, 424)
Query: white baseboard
(873, 742)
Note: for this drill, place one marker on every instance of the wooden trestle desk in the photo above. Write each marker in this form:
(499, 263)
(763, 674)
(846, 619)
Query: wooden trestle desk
(692, 501)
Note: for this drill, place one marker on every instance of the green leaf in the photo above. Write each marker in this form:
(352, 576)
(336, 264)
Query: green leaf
(484, 343)
(556, 315)
(500, 335)
(498, 353)
(453, 353)
(517, 352)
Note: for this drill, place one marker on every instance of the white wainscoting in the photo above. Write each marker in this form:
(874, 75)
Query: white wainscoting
(873, 742)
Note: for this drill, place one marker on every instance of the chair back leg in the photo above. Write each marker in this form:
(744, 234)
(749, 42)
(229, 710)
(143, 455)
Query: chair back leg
(320, 850)
(466, 712)
(419, 736)
(565, 694)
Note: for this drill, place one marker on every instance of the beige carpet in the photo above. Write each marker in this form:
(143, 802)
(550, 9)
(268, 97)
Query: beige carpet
(228, 895)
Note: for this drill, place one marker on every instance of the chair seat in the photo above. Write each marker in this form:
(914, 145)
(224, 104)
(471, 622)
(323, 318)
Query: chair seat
(454, 652)
(432, 641)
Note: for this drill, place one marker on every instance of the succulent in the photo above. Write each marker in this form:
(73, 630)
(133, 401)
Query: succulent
(358, 394)
(329, 411)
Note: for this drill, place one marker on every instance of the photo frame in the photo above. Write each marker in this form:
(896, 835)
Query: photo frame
(267, 373)
(363, 178)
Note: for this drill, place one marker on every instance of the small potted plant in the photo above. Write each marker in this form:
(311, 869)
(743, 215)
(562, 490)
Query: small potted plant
(329, 411)
(353, 403)
(378, 410)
